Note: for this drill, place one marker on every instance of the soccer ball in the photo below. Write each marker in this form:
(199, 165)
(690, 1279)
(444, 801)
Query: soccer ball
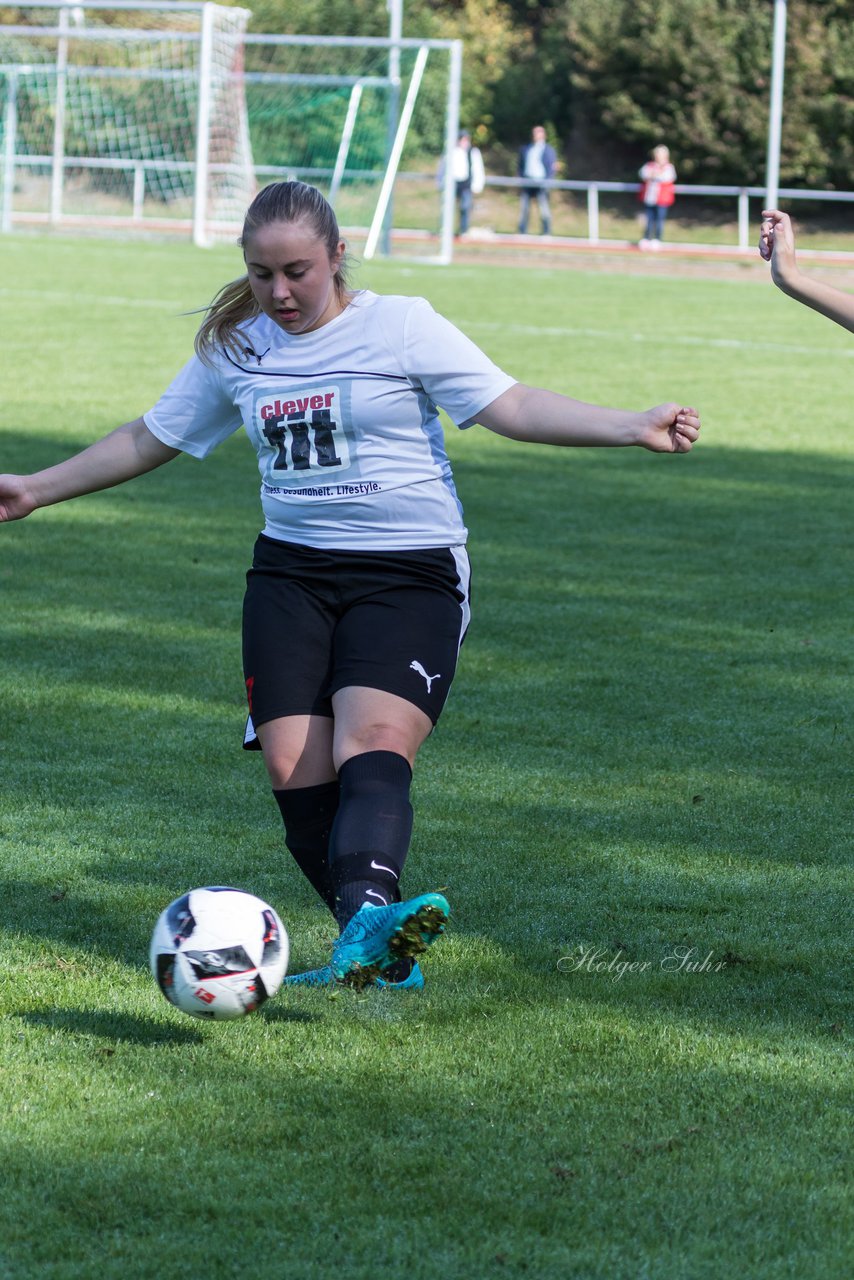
(218, 952)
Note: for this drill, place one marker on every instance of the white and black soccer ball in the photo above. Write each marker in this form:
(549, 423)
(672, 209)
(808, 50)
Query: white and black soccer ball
(218, 952)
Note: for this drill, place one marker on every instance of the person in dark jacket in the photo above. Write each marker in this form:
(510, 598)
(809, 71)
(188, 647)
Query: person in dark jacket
(538, 163)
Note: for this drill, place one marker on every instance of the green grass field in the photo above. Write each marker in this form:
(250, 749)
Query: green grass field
(632, 1057)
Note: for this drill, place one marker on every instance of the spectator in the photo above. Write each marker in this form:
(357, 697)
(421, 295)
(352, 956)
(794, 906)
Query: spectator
(537, 162)
(657, 193)
(469, 177)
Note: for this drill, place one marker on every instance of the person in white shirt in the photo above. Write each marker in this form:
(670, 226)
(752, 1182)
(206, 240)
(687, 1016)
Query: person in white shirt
(357, 599)
(469, 174)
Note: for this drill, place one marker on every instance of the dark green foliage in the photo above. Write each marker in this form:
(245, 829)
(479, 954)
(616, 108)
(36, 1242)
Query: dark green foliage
(696, 73)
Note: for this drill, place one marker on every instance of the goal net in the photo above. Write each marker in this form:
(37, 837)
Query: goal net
(113, 111)
(169, 116)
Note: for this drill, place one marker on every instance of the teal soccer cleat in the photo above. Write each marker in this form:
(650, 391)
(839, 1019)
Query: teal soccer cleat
(311, 978)
(377, 937)
(413, 982)
(325, 977)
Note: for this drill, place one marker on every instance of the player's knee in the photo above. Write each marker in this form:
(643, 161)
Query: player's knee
(377, 736)
(282, 770)
(287, 770)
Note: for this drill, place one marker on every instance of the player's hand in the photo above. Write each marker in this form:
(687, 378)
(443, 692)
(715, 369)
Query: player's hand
(670, 428)
(777, 244)
(15, 499)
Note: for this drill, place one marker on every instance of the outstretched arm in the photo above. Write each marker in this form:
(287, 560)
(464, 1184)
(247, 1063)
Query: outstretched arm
(543, 417)
(777, 246)
(129, 451)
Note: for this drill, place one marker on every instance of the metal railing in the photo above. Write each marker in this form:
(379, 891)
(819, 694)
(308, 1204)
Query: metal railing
(742, 196)
(141, 168)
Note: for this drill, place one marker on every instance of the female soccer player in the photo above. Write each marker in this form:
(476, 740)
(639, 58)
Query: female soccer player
(777, 246)
(357, 599)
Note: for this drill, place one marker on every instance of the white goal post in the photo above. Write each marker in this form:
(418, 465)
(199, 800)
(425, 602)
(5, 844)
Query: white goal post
(391, 107)
(166, 115)
(111, 96)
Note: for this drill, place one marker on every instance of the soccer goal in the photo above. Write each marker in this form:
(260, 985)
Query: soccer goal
(366, 120)
(116, 104)
(166, 115)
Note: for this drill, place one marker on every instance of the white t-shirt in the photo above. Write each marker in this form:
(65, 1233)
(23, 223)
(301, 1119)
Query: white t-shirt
(344, 421)
(534, 165)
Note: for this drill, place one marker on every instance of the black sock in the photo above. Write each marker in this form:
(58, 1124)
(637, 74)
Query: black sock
(371, 833)
(308, 814)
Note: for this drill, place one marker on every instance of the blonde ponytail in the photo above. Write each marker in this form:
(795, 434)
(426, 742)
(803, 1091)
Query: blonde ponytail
(234, 303)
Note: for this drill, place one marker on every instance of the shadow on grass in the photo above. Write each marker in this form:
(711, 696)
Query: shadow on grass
(729, 560)
(108, 916)
(106, 1025)
(142, 1031)
(713, 553)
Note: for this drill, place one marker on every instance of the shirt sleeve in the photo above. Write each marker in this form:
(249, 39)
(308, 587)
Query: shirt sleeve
(453, 371)
(196, 412)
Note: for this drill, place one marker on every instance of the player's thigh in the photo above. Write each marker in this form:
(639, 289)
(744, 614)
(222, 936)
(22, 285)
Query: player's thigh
(404, 638)
(288, 629)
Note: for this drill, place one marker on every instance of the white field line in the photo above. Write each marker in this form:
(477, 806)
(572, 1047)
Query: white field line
(488, 326)
(655, 339)
(93, 299)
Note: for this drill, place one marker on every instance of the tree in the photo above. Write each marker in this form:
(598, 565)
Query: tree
(696, 74)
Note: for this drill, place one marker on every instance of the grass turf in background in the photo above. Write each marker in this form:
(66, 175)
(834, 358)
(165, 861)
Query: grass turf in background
(643, 763)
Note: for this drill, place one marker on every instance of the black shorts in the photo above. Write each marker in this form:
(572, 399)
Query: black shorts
(318, 621)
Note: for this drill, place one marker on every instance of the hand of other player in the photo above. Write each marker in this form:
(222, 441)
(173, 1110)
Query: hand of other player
(669, 428)
(777, 245)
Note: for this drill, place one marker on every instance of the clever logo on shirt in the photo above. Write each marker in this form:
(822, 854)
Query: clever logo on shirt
(303, 430)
